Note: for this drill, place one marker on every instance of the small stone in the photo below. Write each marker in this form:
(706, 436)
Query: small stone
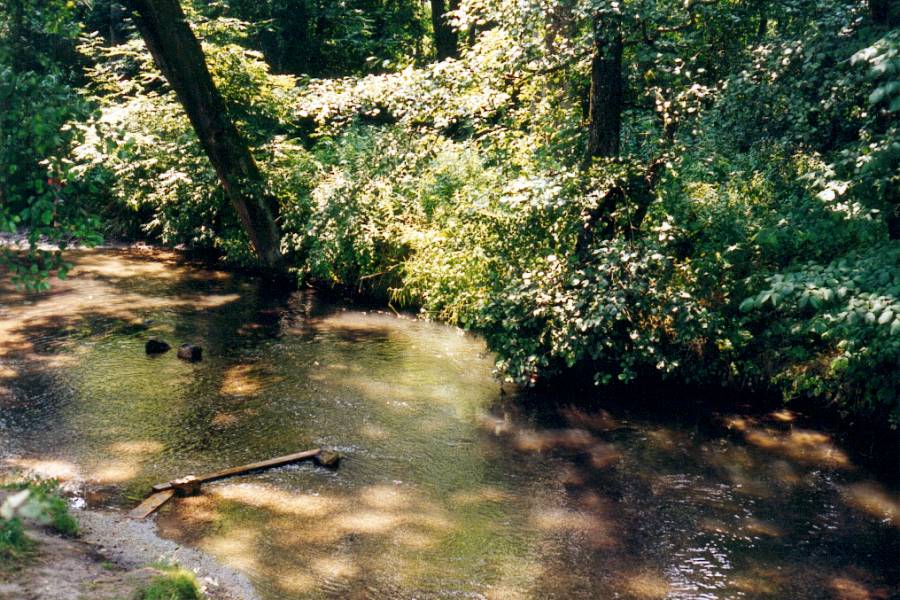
(156, 346)
(328, 458)
(190, 352)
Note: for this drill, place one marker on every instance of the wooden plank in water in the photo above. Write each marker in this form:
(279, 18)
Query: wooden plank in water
(151, 504)
(265, 464)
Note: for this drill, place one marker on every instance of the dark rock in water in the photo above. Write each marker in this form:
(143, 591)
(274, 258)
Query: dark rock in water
(155, 346)
(328, 458)
(190, 352)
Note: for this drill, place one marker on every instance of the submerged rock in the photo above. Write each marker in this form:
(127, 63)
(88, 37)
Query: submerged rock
(156, 346)
(328, 458)
(190, 352)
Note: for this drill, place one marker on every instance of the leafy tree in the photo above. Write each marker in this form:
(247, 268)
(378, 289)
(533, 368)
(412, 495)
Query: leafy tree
(179, 56)
(37, 132)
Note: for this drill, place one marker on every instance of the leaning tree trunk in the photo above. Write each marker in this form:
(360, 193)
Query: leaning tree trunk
(179, 56)
(445, 37)
(607, 91)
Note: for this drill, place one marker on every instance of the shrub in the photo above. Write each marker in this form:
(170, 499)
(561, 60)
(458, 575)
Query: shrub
(173, 584)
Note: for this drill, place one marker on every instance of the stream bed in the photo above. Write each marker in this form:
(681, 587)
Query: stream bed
(449, 488)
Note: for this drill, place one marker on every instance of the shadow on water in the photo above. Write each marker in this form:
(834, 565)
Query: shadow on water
(449, 489)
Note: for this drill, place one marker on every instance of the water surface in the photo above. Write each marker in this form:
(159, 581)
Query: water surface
(449, 489)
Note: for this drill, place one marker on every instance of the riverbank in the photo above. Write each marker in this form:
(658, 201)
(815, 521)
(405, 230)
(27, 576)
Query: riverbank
(113, 557)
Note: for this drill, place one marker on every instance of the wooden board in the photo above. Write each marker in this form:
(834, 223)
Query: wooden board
(151, 504)
(265, 464)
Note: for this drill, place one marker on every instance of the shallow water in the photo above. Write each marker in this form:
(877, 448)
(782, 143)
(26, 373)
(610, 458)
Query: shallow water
(448, 489)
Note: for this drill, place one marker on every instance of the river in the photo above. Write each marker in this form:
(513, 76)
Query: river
(449, 488)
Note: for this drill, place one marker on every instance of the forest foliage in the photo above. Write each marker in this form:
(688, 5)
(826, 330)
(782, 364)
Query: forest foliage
(700, 191)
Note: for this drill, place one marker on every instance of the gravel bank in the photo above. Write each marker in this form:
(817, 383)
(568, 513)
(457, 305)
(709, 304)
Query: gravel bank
(134, 544)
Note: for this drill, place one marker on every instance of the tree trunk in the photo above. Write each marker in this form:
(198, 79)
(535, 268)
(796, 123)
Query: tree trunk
(445, 37)
(179, 56)
(607, 91)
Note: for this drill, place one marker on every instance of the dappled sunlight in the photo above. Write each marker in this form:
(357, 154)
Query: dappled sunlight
(845, 588)
(297, 582)
(804, 446)
(394, 395)
(236, 548)
(811, 447)
(596, 529)
(126, 461)
(757, 527)
(603, 456)
(384, 497)
(333, 567)
(356, 323)
(496, 425)
(45, 468)
(784, 415)
(874, 500)
(199, 509)
(762, 584)
(278, 501)
(156, 264)
(668, 439)
(116, 472)
(245, 380)
(480, 495)
(446, 487)
(647, 586)
(600, 420)
(138, 447)
(541, 441)
(229, 419)
(98, 291)
(373, 432)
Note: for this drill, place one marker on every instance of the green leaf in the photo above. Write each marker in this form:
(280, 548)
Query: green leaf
(748, 304)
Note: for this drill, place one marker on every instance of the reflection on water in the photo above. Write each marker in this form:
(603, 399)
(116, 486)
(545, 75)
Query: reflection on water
(448, 488)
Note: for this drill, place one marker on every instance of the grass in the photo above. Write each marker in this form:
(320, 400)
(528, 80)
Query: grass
(43, 505)
(54, 511)
(14, 544)
(173, 584)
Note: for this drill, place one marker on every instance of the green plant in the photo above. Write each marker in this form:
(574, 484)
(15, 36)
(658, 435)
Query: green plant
(173, 584)
(14, 544)
(46, 506)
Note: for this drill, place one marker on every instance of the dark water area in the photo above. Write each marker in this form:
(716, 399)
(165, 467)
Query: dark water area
(448, 489)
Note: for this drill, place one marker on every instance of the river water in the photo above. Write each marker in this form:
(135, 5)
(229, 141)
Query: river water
(448, 488)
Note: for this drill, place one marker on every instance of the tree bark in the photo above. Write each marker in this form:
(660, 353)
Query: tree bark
(446, 41)
(180, 57)
(607, 91)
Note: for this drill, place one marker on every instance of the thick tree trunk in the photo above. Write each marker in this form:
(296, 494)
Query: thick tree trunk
(445, 37)
(607, 92)
(179, 56)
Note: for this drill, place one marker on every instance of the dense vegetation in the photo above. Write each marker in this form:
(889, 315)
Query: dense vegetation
(703, 191)
(36, 501)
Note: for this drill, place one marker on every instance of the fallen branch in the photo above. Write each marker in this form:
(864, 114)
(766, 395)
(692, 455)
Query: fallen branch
(190, 485)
